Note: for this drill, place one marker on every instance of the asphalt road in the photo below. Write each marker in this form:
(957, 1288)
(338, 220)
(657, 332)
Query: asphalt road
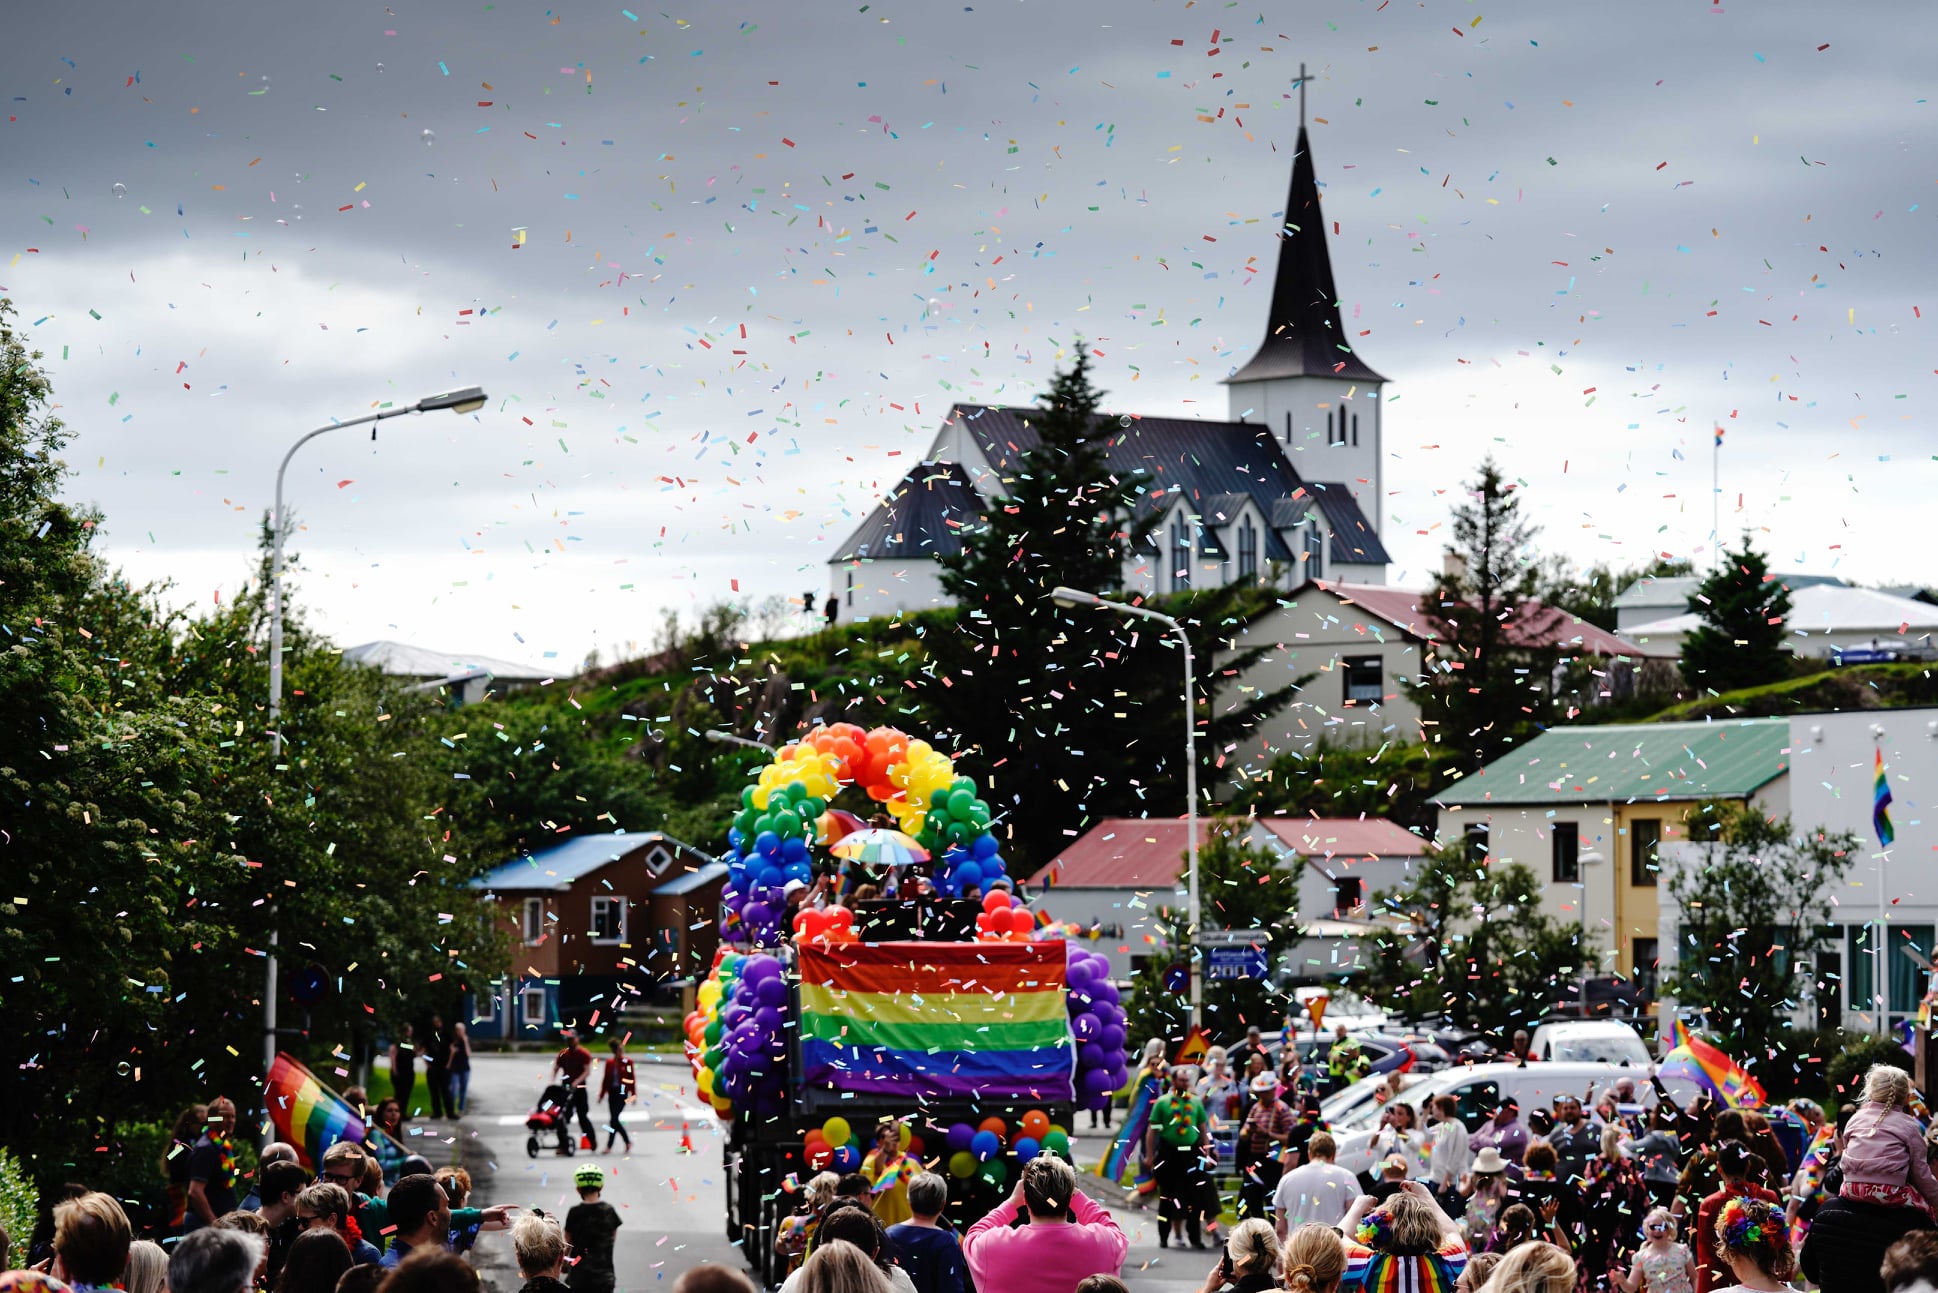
(672, 1201)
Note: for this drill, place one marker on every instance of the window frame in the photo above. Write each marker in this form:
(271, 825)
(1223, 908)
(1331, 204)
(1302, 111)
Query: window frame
(1347, 665)
(1183, 553)
(1570, 871)
(1481, 832)
(1642, 969)
(592, 929)
(1640, 876)
(526, 1019)
(527, 924)
(1247, 549)
(1341, 886)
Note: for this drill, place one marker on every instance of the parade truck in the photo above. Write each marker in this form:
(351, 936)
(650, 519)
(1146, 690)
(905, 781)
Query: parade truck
(948, 1014)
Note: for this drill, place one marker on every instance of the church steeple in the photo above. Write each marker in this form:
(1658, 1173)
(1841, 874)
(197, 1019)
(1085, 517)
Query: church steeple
(1304, 336)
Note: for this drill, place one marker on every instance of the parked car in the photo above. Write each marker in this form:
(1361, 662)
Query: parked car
(1354, 1113)
(1384, 1051)
(1606, 1041)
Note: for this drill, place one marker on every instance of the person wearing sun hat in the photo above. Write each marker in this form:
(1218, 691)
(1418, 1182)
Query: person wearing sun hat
(1263, 1139)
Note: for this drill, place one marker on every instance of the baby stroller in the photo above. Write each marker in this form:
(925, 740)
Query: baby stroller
(550, 1115)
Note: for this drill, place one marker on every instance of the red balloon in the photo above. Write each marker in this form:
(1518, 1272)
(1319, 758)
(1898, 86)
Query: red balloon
(840, 919)
(995, 900)
(819, 1156)
(915, 1147)
(1020, 920)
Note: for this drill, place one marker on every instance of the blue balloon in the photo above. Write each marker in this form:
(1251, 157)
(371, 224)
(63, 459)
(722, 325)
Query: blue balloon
(735, 837)
(847, 1158)
(794, 849)
(985, 1145)
(985, 846)
(994, 866)
(771, 876)
(767, 844)
(1026, 1149)
(967, 874)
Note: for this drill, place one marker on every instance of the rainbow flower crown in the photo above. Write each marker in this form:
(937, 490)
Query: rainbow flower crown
(1745, 1223)
(1375, 1230)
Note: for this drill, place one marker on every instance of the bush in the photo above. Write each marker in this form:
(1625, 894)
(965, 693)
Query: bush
(1846, 1070)
(19, 1209)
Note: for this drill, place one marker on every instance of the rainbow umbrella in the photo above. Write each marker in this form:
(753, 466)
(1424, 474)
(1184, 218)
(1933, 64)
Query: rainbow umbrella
(879, 846)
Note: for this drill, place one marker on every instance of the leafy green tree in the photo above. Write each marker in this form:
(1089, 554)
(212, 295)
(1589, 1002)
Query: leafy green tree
(1346, 781)
(1468, 940)
(1749, 920)
(1484, 684)
(1745, 612)
(1590, 594)
(1240, 887)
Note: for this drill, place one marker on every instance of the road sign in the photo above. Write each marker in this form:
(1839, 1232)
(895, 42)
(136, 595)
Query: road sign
(1235, 962)
(1233, 938)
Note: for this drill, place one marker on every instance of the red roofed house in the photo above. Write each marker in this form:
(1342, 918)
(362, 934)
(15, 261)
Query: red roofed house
(1361, 642)
(1120, 871)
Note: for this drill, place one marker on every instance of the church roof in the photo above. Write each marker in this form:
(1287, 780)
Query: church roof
(1354, 541)
(1304, 336)
(921, 517)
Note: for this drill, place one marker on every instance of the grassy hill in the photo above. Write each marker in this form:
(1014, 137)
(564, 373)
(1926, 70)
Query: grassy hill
(1871, 686)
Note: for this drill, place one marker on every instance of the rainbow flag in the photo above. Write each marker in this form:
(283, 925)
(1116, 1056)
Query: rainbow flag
(1701, 1063)
(1881, 805)
(306, 1113)
(934, 1021)
(1130, 1134)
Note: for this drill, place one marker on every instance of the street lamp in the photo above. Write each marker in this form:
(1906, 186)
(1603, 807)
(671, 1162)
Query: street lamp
(1076, 597)
(468, 399)
(719, 737)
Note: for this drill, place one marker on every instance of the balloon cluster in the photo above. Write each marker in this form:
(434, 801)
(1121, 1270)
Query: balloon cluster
(978, 1150)
(835, 1146)
(825, 926)
(735, 1039)
(1097, 1023)
(787, 811)
(1004, 920)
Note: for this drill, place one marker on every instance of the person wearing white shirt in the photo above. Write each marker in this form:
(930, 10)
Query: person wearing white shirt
(1321, 1191)
(1449, 1158)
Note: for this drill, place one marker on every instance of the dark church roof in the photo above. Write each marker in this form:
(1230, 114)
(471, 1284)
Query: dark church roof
(1303, 333)
(1353, 539)
(922, 517)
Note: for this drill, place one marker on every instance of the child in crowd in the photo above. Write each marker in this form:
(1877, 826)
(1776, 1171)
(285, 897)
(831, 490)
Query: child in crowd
(1661, 1264)
(590, 1227)
(1754, 1243)
(1884, 1149)
(539, 1245)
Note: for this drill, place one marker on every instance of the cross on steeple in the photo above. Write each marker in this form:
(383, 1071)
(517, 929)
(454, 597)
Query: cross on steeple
(1303, 78)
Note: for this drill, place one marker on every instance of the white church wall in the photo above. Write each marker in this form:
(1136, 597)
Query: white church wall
(871, 589)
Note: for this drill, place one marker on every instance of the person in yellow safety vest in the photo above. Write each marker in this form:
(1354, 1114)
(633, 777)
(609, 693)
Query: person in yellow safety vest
(1346, 1063)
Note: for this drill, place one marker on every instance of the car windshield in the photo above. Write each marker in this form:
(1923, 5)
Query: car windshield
(1602, 1048)
(1357, 1105)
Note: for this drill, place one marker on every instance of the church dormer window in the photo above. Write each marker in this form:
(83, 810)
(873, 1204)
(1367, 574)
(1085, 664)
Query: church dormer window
(1315, 550)
(1180, 555)
(1355, 429)
(1247, 550)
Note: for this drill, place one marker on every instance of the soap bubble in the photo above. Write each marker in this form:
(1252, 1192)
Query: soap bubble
(380, 69)
(429, 137)
(121, 190)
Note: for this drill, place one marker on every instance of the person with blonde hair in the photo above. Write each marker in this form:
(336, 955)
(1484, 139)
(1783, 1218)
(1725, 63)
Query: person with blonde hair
(1754, 1243)
(147, 1269)
(1480, 1266)
(1251, 1260)
(1408, 1242)
(839, 1267)
(538, 1242)
(91, 1239)
(1662, 1264)
(1313, 1259)
(796, 1231)
(1537, 1267)
(1884, 1148)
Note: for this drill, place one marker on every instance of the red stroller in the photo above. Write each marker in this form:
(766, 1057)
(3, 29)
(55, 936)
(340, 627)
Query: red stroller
(549, 1116)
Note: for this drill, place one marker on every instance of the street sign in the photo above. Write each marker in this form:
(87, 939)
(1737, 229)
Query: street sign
(1233, 938)
(1235, 962)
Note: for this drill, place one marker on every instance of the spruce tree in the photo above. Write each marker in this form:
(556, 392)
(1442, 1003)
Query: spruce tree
(1745, 612)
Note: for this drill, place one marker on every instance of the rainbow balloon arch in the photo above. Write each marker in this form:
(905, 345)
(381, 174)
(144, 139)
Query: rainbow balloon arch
(738, 1037)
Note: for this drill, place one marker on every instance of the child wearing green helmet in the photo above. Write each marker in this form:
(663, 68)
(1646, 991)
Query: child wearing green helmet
(590, 1227)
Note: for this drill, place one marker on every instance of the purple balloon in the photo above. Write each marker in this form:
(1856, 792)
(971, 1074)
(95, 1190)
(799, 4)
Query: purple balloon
(767, 1021)
(1111, 1038)
(1080, 973)
(1096, 1082)
(771, 992)
(760, 967)
(1091, 1056)
(959, 1136)
(1086, 1027)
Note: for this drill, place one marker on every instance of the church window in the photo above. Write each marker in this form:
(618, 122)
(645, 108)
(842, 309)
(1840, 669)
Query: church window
(1355, 429)
(1247, 550)
(1315, 551)
(1180, 555)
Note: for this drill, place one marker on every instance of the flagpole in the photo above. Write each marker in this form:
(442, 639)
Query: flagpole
(1716, 498)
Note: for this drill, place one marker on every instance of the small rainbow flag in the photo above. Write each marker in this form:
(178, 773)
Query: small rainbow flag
(1701, 1063)
(1881, 805)
(306, 1113)
(1130, 1136)
(937, 1020)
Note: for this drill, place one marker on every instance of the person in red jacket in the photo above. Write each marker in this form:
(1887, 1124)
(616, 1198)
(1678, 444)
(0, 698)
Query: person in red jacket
(617, 1086)
(1736, 1163)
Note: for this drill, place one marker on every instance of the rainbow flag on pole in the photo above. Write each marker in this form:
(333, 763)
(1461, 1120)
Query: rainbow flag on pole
(1881, 805)
(1699, 1062)
(937, 1020)
(306, 1113)
(1130, 1136)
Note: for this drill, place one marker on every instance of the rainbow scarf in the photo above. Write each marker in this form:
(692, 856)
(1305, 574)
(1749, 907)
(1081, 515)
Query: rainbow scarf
(1699, 1062)
(306, 1113)
(1130, 1135)
(1881, 805)
(1380, 1272)
(937, 1021)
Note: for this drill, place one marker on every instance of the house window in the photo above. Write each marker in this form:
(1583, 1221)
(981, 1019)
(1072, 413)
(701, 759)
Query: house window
(1348, 895)
(1566, 840)
(1644, 839)
(1355, 430)
(1476, 842)
(608, 920)
(1247, 550)
(657, 859)
(534, 923)
(1362, 680)
(851, 589)
(531, 1007)
(1180, 555)
(1288, 427)
(1315, 551)
(1335, 427)
(1643, 974)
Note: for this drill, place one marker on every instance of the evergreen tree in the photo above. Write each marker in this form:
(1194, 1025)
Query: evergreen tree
(1483, 685)
(1745, 612)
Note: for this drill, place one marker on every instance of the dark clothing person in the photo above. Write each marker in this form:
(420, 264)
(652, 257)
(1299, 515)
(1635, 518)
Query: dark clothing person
(575, 1066)
(542, 1284)
(211, 1164)
(437, 1069)
(617, 1084)
(591, 1227)
(1575, 1145)
(1845, 1246)
(932, 1257)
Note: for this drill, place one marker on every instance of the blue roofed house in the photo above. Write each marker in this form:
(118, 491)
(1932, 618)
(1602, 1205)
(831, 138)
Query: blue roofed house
(1287, 490)
(598, 923)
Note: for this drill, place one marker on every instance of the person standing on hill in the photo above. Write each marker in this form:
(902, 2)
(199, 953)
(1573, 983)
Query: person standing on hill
(437, 1067)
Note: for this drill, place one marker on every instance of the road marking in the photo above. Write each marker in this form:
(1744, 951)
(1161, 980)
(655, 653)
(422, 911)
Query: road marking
(686, 1113)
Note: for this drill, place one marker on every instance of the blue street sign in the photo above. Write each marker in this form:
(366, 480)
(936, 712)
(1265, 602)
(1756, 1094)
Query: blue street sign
(1235, 963)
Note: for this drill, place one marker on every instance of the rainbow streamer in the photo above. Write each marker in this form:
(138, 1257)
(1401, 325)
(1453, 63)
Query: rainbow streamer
(1697, 1061)
(306, 1113)
(937, 1020)
(1881, 806)
(1130, 1134)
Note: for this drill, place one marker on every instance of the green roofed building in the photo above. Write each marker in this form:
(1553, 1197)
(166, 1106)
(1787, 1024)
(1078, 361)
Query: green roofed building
(1587, 808)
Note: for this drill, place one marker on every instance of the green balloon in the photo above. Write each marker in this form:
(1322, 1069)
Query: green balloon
(1059, 1144)
(763, 823)
(979, 816)
(744, 822)
(713, 1031)
(960, 802)
(787, 825)
(713, 1056)
(995, 1172)
(812, 807)
(964, 783)
(959, 833)
(797, 791)
(746, 796)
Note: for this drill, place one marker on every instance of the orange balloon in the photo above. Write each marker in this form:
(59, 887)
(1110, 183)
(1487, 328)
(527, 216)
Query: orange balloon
(996, 1125)
(1036, 1124)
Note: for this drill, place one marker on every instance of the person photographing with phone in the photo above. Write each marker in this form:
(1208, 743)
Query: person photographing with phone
(1068, 1236)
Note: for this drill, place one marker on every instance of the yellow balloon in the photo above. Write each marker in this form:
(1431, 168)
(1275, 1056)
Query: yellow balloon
(903, 1135)
(709, 994)
(703, 1081)
(836, 1131)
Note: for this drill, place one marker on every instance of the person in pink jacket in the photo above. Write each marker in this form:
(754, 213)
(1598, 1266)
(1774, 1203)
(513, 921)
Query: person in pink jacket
(1068, 1237)
(1884, 1147)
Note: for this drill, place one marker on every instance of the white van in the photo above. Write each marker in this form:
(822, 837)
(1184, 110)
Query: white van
(1480, 1090)
(1606, 1041)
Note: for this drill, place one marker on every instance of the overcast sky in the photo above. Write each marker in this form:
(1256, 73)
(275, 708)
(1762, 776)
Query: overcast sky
(1577, 236)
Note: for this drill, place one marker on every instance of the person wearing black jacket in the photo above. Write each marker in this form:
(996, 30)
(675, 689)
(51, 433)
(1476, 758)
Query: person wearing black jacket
(1844, 1250)
(435, 1045)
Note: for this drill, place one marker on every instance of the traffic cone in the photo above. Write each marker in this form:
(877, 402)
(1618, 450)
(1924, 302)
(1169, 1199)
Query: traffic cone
(585, 1141)
(686, 1139)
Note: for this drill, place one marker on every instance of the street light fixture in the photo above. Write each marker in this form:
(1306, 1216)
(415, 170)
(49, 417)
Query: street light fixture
(719, 737)
(468, 399)
(1072, 597)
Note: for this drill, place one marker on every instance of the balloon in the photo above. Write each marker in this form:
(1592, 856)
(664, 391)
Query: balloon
(1096, 1083)
(995, 1127)
(985, 1145)
(771, 992)
(958, 1136)
(969, 873)
(847, 1158)
(995, 1172)
(819, 1155)
(1026, 1149)
(1085, 1027)
(995, 902)
(914, 1146)
(962, 1165)
(985, 846)
(836, 1130)
(1079, 974)
(1035, 1124)
(904, 1136)
(1058, 1143)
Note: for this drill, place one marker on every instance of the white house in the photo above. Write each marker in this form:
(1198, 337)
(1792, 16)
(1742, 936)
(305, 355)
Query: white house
(1833, 761)
(1287, 490)
(1661, 597)
(1117, 874)
(469, 677)
(1832, 621)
